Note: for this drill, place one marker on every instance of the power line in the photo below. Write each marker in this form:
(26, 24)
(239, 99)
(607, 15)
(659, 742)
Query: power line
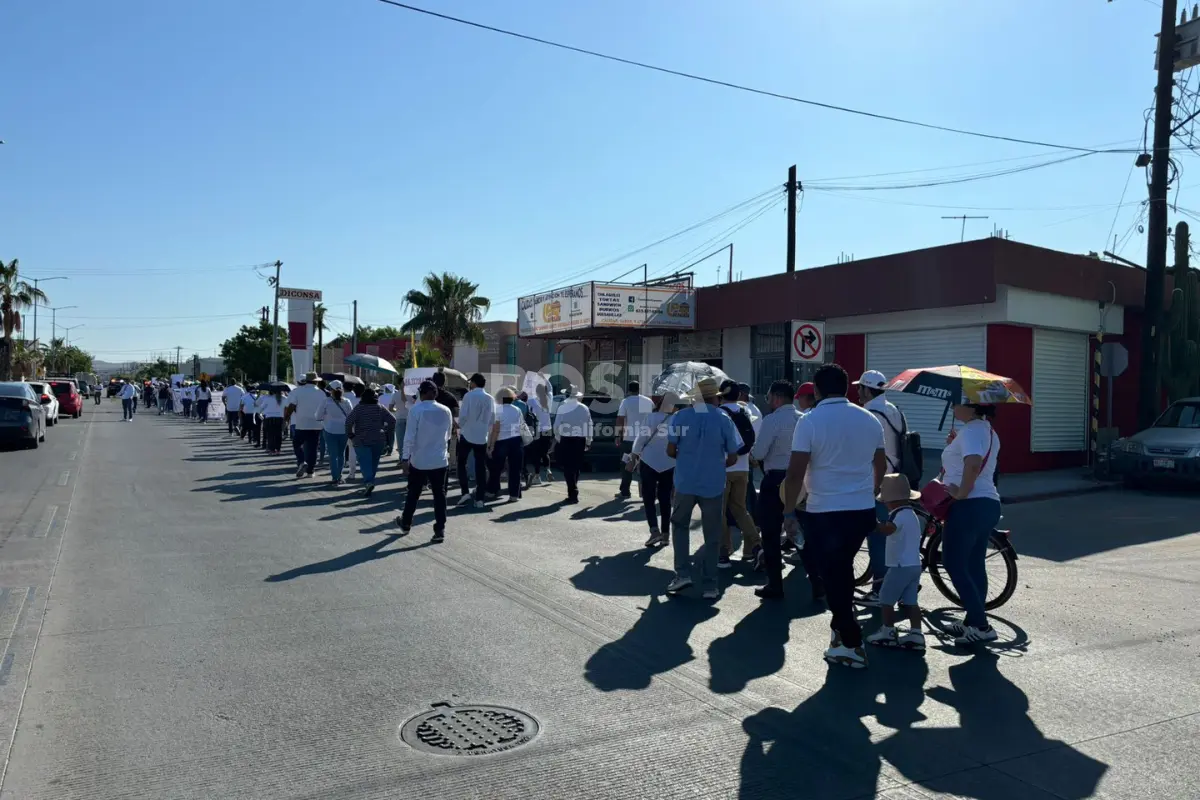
(725, 234)
(737, 86)
(561, 280)
(849, 187)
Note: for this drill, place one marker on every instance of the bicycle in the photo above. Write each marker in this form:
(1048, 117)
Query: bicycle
(1000, 563)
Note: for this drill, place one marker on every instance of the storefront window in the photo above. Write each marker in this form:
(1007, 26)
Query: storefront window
(768, 344)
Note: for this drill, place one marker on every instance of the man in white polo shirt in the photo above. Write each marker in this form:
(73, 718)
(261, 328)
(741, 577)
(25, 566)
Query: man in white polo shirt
(838, 456)
(301, 410)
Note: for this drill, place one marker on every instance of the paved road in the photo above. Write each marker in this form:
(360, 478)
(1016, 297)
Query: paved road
(205, 627)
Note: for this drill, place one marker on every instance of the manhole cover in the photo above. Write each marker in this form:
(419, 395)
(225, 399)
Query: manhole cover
(468, 730)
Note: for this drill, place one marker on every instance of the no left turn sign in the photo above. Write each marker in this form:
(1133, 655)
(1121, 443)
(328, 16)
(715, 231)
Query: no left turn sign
(808, 340)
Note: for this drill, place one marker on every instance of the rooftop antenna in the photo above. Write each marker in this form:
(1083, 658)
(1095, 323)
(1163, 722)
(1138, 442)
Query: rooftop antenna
(964, 217)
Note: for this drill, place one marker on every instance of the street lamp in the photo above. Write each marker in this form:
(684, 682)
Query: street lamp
(36, 281)
(68, 331)
(53, 321)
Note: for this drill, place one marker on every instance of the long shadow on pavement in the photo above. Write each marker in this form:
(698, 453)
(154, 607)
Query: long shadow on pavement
(657, 643)
(823, 748)
(371, 552)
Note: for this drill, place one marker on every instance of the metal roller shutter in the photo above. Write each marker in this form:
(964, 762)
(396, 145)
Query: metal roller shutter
(1060, 391)
(892, 353)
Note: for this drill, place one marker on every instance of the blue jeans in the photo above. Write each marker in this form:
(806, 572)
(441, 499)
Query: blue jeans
(335, 447)
(876, 550)
(401, 426)
(368, 460)
(964, 548)
(127, 408)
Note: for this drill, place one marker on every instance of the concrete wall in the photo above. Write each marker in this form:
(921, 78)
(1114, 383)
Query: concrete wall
(735, 353)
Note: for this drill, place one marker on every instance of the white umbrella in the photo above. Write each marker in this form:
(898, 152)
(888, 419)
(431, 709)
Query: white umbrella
(681, 378)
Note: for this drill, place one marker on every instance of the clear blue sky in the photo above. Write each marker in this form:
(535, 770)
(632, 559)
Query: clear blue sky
(365, 146)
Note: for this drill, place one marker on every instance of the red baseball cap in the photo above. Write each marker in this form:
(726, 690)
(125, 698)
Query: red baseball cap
(806, 390)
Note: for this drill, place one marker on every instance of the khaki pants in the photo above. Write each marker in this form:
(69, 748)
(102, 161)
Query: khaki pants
(735, 500)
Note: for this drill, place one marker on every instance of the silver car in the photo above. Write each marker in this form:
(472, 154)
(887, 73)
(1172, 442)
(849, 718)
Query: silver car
(22, 415)
(1169, 450)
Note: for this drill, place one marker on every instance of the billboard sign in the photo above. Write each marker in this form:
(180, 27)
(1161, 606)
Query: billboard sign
(619, 306)
(313, 295)
(559, 310)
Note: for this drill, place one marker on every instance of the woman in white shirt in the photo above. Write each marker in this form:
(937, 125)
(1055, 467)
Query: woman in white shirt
(505, 446)
(203, 398)
(657, 469)
(969, 472)
(333, 413)
(270, 406)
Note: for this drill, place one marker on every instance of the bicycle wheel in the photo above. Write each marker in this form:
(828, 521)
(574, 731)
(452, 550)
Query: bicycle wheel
(1000, 565)
(862, 566)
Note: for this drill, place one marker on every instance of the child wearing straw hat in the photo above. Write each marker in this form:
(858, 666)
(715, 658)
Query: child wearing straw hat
(903, 559)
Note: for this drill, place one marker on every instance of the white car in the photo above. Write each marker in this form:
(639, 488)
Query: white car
(49, 401)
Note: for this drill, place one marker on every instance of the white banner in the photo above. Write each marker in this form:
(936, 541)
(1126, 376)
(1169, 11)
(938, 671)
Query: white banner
(300, 328)
(413, 377)
(643, 307)
(532, 381)
(558, 310)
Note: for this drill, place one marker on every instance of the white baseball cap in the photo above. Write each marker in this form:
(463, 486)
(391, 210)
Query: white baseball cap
(872, 379)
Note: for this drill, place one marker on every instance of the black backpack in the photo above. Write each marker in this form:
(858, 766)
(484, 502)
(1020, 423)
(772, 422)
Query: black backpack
(532, 421)
(912, 459)
(741, 421)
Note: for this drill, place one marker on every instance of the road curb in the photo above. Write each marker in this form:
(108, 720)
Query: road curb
(1057, 493)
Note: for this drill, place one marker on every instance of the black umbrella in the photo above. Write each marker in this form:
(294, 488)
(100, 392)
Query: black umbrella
(268, 386)
(348, 380)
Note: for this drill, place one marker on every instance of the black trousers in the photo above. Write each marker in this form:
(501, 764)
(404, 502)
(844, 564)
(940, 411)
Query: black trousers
(835, 537)
(305, 443)
(770, 524)
(537, 453)
(507, 452)
(273, 433)
(231, 419)
(626, 475)
(187, 408)
(571, 451)
(466, 449)
(418, 479)
(249, 428)
(657, 488)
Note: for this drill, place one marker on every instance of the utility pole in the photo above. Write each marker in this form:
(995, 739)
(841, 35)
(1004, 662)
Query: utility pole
(275, 327)
(354, 331)
(178, 355)
(962, 237)
(1149, 393)
(792, 187)
(36, 281)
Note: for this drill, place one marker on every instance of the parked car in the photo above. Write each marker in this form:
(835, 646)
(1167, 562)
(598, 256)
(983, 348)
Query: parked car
(1169, 450)
(70, 398)
(22, 415)
(48, 400)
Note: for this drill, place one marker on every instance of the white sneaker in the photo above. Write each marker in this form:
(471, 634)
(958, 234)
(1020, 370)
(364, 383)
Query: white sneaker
(465, 500)
(711, 594)
(300, 471)
(678, 584)
(912, 640)
(973, 635)
(853, 657)
(884, 637)
(480, 504)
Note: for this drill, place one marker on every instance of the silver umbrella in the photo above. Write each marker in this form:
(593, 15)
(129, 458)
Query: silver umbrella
(681, 378)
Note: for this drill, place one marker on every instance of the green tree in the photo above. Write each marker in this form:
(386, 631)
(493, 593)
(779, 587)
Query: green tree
(369, 334)
(159, 369)
(247, 354)
(446, 311)
(319, 326)
(427, 356)
(64, 359)
(16, 295)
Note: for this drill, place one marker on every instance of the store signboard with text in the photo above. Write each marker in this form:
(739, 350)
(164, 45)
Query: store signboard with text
(616, 306)
(559, 310)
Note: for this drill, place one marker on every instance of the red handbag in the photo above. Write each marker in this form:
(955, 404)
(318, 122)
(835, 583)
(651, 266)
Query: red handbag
(935, 495)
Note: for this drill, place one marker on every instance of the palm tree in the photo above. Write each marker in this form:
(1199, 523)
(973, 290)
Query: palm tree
(319, 326)
(446, 311)
(16, 295)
